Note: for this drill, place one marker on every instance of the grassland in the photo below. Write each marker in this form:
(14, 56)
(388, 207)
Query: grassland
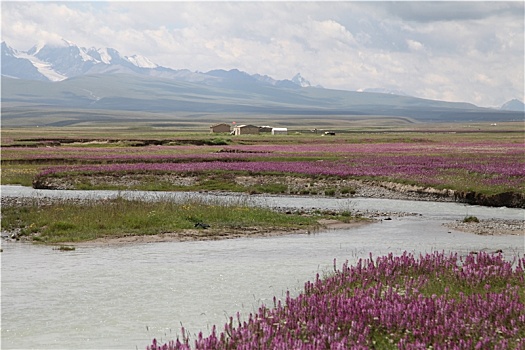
(481, 162)
(485, 159)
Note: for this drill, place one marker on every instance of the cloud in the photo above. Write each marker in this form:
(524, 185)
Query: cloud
(456, 51)
(434, 11)
(414, 45)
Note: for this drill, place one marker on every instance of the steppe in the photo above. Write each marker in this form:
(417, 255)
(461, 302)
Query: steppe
(480, 164)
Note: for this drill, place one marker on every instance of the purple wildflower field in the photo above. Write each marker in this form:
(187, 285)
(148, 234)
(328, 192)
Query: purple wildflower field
(393, 302)
(456, 165)
(108, 154)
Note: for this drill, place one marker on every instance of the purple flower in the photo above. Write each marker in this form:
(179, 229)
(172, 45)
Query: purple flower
(389, 301)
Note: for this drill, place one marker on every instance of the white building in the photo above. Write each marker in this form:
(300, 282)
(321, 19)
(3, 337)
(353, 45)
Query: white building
(279, 131)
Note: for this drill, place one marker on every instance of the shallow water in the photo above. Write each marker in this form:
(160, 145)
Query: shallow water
(121, 297)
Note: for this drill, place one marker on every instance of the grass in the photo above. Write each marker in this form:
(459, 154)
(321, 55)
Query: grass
(483, 145)
(75, 222)
(470, 219)
(19, 174)
(351, 131)
(329, 192)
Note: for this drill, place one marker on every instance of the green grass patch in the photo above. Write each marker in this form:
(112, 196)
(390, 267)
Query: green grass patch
(329, 192)
(76, 222)
(470, 219)
(19, 174)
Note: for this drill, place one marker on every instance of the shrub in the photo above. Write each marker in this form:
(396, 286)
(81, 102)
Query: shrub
(470, 219)
(329, 192)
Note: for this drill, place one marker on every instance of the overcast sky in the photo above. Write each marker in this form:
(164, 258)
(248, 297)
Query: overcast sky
(452, 51)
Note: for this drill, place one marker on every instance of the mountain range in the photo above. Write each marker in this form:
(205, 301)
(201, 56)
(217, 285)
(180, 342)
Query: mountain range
(65, 60)
(64, 84)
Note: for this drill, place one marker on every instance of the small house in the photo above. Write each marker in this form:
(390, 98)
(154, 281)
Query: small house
(265, 129)
(246, 130)
(218, 128)
(279, 131)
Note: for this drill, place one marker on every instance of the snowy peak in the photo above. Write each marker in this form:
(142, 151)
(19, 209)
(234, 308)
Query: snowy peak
(105, 55)
(115, 57)
(61, 60)
(67, 60)
(64, 47)
(141, 61)
(24, 66)
(101, 55)
(7, 50)
(299, 80)
(36, 49)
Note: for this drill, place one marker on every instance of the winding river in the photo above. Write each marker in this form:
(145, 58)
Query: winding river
(121, 297)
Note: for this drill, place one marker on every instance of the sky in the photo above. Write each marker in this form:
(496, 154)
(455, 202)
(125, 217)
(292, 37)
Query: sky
(453, 51)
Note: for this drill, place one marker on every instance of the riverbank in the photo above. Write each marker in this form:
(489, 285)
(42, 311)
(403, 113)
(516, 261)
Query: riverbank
(486, 226)
(201, 235)
(119, 220)
(490, 227)
(287, 185)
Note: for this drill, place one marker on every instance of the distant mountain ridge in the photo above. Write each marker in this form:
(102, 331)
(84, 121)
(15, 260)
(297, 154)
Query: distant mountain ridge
(513, 105)
(65, 60)
(385, 91)
(67, 85)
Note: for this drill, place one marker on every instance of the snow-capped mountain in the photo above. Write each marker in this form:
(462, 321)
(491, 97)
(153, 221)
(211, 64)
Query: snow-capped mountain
(299, 80)
(65, 60)
(66, 84)
(141, 61)
(16, 65)
(59, 61)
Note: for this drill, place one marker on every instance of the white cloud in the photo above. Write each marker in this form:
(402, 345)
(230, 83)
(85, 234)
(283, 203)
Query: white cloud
(414, 45)
(468, 51)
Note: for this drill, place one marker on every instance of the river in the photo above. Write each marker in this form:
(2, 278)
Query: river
(121, 297)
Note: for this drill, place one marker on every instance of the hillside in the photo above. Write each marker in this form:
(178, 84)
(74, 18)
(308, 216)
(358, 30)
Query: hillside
(114, 98)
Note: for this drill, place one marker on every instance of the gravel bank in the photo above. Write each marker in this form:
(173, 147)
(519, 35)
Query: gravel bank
(332, 187)
(490, 227)
(291, 185)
